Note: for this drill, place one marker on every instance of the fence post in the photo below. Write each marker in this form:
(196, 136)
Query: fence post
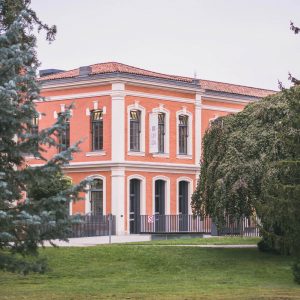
(109, 227)
(242, 226)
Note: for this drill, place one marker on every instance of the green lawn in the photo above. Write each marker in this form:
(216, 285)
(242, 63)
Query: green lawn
(136, 272)
(204, 241)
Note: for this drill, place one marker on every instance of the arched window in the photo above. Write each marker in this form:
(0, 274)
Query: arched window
(183, 197)
(97, 130)
(183, 133)
(135, 130)
(160, 195)
(96, 196)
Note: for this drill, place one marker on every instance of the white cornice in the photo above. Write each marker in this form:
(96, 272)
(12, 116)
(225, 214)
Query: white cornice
(136, 165)
(120, 93)
(50, 85)
(151, 96)
(159, 97)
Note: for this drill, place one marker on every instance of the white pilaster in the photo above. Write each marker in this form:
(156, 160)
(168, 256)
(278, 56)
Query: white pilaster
(118, 122)
(118, 198)
(198, 139)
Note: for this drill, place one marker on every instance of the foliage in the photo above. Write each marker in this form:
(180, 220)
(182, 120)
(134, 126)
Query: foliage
(296, 271)
(27, 220)
(250, 164)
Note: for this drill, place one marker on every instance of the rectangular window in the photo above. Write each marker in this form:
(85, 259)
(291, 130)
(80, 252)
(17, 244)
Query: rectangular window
(183, 134)
(97, 130)
(35, 129)
(135, 130)
(64, 137)
(161, 132)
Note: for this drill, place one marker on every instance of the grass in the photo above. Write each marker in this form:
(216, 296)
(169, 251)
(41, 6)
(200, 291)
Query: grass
(204, 241)
(135, 272)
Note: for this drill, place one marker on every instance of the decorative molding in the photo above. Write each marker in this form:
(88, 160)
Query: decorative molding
(95, 104)
(162, 155)
(95, 153)
(129, 164)
(133, 153)
(124, 93)
(182, 156)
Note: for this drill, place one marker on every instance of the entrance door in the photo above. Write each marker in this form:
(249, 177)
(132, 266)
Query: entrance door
(134, 205)
(160, 196)
(183, 198)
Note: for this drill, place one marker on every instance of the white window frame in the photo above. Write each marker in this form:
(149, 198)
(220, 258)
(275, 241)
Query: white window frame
(189, 154)
(88, 194)
(190, 192)
(158, 110)
(136, 106)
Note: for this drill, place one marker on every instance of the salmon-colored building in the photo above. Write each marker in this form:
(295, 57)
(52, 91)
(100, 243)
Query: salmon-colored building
(141, 135)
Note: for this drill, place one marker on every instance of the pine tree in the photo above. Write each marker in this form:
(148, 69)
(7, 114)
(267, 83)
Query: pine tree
(31, 211)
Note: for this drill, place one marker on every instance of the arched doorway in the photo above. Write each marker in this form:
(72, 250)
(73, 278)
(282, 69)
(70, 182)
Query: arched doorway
(134, 205)
(159, 203)
(183, 205)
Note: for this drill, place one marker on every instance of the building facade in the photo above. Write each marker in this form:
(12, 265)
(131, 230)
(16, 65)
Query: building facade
(141, 135)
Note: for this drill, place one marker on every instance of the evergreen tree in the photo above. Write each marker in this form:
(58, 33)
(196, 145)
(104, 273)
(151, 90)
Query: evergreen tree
(31, 211)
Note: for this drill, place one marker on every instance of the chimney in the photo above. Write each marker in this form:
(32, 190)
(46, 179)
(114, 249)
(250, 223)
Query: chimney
(85, 71)
(47, 72)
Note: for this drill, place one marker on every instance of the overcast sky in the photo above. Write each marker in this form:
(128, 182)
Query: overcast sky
(238, 41)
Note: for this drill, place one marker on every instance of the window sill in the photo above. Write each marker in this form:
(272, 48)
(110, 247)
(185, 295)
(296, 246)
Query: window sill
(95, 153)
(132, 153)
(164, 155)
(184, 156)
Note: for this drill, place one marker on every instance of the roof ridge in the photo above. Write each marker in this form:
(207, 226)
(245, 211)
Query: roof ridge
(241, 85)
(141, 69)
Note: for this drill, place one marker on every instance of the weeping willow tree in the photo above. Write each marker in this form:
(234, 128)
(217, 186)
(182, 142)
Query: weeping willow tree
(250, 164)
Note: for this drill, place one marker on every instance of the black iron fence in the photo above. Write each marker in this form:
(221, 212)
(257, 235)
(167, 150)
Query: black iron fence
(174, 224)
(196, 224)
(241, 227)
(94, 225)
